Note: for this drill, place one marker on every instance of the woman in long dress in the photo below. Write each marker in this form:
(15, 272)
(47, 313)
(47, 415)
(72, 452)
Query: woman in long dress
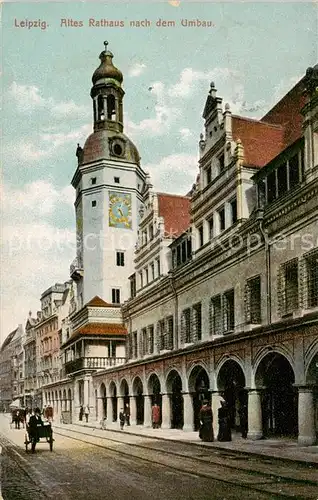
(206, 422)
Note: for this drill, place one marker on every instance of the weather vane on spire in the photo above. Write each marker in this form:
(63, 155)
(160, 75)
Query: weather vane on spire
(106, 43)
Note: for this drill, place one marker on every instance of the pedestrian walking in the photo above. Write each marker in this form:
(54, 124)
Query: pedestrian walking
(243, 420)
(81, 413)
(17, 419)
(155, 413)
(34, 422)
(224, 433)
(103, 424)
(122, 418)
(127, 414)
(206, 422)
(86, 412)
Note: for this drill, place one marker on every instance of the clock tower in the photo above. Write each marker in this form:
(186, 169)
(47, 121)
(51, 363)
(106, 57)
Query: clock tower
(108, 181)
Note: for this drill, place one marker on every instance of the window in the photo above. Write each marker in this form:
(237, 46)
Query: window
(158, 267)
(208, 175)
(233, 206)
(151, 339)
(197, 321)
(117, 180)
(93, 180)
(145, 239)
(152, 268)
(183, 252)
(186, 326)
(253, 301)
(215, 316)
(293, 171)
(144, 341)
(222, 219)
(161, 331)
(147, 275)
(141, 279)
(312, 280)
(133, 286)
(113, 349)
(94, 203)
(115, 296)
(289, 286)
(200, 232)
(282, 179)
(211, 228)
(151, 232)
(169, 343)
(120, 259)
(271, 187)
(221, 163)
(228, 311)
(135, 345)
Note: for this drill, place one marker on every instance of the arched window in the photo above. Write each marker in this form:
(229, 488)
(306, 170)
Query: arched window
(111, 112)
(100, 108)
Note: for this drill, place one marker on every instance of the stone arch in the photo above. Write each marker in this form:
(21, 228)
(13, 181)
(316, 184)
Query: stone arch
(311, 368)
(231, 383)
(138, 392)
(174, 388)
(123, 388)
(154, 389)
(199, 385)
(275, 376)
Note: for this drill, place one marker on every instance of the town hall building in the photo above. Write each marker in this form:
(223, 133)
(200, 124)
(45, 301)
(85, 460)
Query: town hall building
(211, 295)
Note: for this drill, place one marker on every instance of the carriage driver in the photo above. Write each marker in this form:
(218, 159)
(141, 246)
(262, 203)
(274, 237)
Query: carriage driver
(34, 421)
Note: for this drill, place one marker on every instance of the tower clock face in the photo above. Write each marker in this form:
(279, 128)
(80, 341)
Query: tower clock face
(120, 210)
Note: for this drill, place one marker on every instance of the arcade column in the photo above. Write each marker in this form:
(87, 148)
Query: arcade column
(148, 416)
(166, 412)
(187, 412)
(109, 410)
(306, 416)
(133, 410)
(255, 425)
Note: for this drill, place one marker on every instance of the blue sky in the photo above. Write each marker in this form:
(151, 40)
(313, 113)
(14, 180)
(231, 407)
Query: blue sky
(255, 52)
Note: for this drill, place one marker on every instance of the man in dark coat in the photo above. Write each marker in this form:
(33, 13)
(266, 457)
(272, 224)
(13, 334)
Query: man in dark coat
(34, 423)
(206, 422)
(224, 423)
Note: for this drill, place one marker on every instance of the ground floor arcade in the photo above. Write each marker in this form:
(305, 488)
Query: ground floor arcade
(273, 379)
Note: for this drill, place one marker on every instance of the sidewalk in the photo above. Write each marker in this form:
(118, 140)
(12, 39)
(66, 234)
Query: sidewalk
(286, 449)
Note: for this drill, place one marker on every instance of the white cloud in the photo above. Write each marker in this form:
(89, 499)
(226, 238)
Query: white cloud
(35, 201)
(33, 257)
(28, 98)
(136, 69)
(174, 173)
(185, 134)
(44, 146)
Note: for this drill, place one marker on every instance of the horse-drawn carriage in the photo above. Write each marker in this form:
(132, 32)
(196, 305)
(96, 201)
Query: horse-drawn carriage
(35, 433)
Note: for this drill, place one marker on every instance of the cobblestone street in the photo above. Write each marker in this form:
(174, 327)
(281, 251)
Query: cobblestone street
(89, 466)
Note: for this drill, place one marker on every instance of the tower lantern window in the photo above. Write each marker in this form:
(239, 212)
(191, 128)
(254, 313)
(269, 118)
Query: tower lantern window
(111, 112)
(101, 112)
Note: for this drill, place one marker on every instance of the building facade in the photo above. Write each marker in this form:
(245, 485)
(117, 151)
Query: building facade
(212, 295)
(11, 369)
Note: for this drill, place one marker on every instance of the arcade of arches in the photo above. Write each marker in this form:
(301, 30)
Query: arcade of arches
(277, 404)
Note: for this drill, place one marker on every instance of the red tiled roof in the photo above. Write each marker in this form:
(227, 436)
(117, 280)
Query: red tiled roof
(261, 141)
(287, 112)
(175, 211)
(98, 302)
(101, 329)
(279, 128)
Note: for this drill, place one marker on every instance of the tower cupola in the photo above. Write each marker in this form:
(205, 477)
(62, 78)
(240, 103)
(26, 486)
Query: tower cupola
(107, 94)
